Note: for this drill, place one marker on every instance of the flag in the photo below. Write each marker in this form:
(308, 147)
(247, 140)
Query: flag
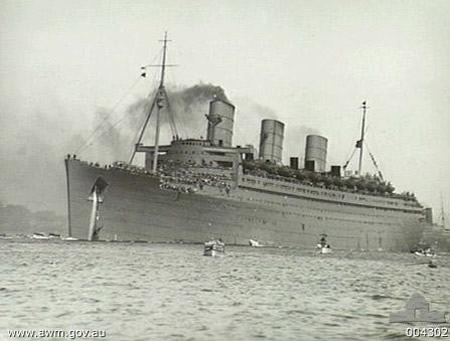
(359, 144)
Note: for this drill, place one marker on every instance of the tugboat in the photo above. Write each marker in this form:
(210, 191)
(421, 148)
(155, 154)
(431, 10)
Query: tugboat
(323, 246)
(214, 247)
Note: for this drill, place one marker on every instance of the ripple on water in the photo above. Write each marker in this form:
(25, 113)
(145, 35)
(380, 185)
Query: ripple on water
(140, 292)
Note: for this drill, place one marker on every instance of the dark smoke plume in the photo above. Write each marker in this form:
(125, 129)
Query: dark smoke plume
(198, 93)
(188, 106)
(33, 145)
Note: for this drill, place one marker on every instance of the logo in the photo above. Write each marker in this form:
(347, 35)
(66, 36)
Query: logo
(417, 309)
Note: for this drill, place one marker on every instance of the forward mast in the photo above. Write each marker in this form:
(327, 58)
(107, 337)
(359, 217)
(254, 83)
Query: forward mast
(160, 98)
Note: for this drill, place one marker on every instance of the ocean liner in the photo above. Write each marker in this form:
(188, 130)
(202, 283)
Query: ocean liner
(192, 190)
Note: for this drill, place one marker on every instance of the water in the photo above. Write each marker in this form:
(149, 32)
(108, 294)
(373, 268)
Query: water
(171, 292)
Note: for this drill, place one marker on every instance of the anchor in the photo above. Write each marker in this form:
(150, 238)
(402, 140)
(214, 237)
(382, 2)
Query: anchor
(96, 197)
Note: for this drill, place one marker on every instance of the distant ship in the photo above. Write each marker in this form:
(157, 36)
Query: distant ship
(193, 190)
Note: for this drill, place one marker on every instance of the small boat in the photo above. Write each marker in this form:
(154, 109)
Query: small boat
(432, 265)
(425, 253)
(323, 247)
(54, 235)
(254, 243)
(423, 250)
(39, 235)
(214, 248)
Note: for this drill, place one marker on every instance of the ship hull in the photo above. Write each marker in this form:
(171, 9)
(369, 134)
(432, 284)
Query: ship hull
(135, 207)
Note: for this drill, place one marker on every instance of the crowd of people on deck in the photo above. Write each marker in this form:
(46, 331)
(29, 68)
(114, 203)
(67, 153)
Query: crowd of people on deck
(189, 180)
(187, 177)
(264, 174)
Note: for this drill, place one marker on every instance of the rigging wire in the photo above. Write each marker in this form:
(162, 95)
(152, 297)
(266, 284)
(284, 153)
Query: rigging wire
(200, 127)
(170, 115)
(141, 131)
(158, 95)
(116, 123)
(136, 135)
(177, 116)
(82, 147)
(86, 143)
(106, 131)
(349, 159)
(374, 161)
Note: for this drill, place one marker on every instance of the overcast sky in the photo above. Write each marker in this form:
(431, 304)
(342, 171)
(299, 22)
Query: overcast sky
(308, 63)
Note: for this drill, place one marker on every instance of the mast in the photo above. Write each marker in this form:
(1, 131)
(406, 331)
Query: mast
(158, 101)
(163, 65)
(360, 143)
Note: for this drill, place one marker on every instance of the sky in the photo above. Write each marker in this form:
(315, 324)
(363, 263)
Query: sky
(66, 65)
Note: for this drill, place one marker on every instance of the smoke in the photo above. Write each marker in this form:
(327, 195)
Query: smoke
(32, 150)
(295, 141)
(116, 132)
(112, 143)
(199, 93)
(248, 125)
(34, 144)
(188, 106)
(249, 115)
